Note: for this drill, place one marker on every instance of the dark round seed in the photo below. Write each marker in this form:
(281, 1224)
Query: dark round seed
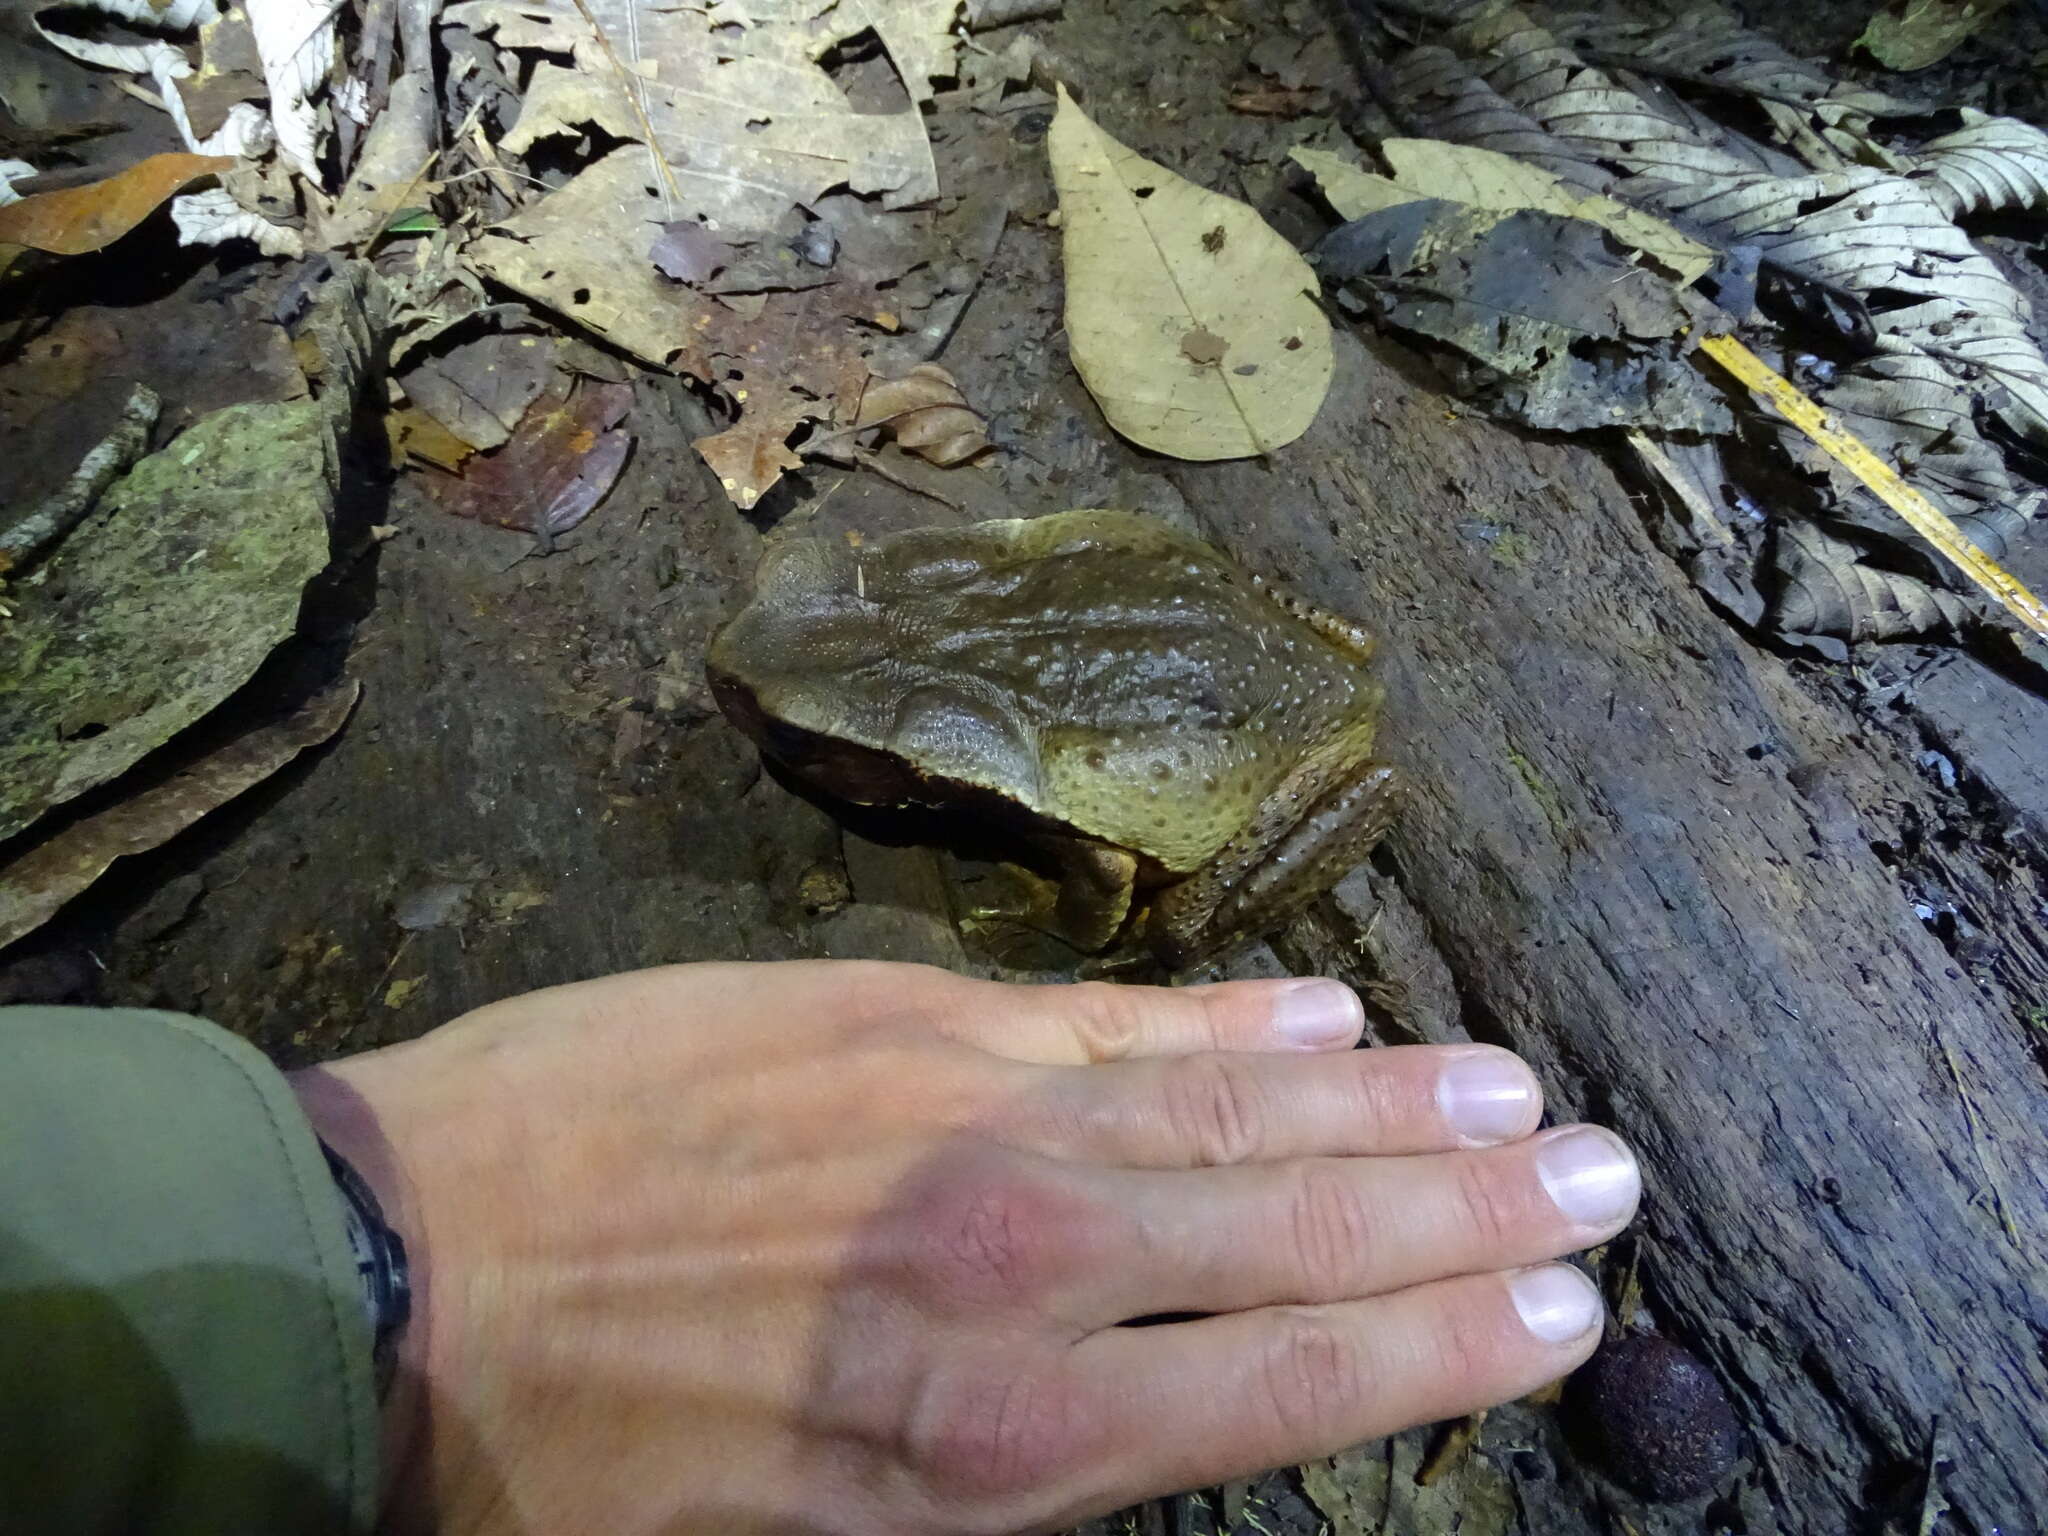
(1657, 1417)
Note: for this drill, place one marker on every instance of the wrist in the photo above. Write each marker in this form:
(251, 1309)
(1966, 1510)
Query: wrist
(381, 1270)
(377, 1194)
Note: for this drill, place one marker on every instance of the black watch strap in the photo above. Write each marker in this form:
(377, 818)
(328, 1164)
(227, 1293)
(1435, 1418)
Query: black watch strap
(379, 1255)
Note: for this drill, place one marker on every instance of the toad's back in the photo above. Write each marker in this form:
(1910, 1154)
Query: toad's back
(1096, 667)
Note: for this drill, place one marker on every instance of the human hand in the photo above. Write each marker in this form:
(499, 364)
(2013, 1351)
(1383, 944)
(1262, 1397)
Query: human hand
(839, 1246)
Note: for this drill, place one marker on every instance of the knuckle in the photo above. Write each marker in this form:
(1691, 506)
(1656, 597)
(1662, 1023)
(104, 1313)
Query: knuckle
(990, 1239)
(1214, 1106)
(1108, 1020)
(1486, 1207)
(997, 1430)
(1329, 1228)
(1314, 1379)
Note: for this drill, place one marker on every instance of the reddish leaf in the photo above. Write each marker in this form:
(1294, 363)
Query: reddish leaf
(555, 468)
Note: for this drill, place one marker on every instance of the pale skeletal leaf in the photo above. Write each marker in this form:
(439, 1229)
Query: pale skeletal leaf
(12, 171)
(295, 40)
(1452, 102)
(1824, 588)
(1601, 107)
(1987, 165)
(1856, 227)
(1151, 259)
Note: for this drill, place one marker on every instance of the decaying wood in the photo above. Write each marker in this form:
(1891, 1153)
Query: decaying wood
(1645, 856)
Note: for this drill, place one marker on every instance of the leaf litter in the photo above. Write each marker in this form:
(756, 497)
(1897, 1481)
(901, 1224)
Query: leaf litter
(1837, 213)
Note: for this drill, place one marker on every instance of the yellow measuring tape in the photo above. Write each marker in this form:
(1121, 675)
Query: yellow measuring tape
(1925, 518)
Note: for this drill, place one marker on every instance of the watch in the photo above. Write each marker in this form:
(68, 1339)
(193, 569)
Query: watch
(379, 1255)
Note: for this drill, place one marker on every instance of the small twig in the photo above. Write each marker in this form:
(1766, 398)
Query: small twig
(870, 461)
(1998, 1204)
(1932, 1504)
(147, 98)
(66, 509)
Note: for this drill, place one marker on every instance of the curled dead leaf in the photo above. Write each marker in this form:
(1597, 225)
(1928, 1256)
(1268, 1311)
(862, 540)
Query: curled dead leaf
(927, 413)
(42, 880)
(75, 220)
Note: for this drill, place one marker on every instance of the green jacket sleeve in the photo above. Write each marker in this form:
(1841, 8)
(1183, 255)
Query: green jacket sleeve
(182, 1341)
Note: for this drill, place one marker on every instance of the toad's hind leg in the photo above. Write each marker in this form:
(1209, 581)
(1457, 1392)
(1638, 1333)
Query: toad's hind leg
(1345, 634)
(1322, 820)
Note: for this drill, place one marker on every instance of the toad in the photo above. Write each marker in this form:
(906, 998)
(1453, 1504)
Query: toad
(1189, 744)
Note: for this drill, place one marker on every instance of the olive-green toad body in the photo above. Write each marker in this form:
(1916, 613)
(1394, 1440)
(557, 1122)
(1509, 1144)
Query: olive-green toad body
(1162, 722)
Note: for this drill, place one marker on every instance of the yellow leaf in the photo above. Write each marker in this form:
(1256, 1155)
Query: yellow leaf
(1495, 183)
(1351, 190)
(1144, 271)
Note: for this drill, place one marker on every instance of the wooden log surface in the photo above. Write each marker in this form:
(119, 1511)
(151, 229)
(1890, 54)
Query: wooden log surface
(1644, 854)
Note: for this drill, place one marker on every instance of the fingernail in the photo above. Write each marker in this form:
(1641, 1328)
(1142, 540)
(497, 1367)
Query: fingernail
(1486, 1097)
(1557, 1303)
(1315, 1014)
(1590, 1175)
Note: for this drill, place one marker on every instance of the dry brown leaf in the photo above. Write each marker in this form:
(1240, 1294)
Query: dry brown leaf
(745, 119)
(927, 413)
(36, 885)
(1281, 101)
(783, 367)
(76, 220)
(1144, 270)
(582, 251)
(480, 388)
